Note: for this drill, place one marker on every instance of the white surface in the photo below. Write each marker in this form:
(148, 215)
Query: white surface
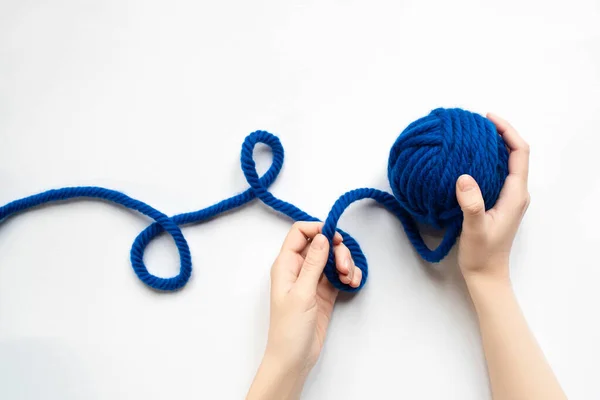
(155, 98)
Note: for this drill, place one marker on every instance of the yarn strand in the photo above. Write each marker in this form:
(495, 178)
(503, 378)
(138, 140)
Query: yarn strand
(167, 224)
(171, 225)
(424, 163)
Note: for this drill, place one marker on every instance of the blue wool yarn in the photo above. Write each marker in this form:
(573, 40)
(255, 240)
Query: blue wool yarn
(424, 164)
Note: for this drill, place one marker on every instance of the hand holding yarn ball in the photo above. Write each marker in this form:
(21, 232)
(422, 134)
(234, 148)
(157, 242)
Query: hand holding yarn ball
(487, 237)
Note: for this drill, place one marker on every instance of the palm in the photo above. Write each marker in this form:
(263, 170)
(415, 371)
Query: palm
(325, 299)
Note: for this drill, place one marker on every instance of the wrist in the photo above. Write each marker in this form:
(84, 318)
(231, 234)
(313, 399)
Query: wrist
(493, 273)
(285, 361)
(487, 290)
(477, 279)
(277, 379)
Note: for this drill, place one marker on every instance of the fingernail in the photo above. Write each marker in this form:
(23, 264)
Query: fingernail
(319, 242)
(339, 236)
(465, 183)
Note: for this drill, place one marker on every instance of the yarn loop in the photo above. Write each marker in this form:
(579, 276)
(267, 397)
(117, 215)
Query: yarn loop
(424, 164)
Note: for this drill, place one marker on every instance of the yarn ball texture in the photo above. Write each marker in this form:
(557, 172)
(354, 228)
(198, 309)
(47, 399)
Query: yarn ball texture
(425, 162)
(433, 152)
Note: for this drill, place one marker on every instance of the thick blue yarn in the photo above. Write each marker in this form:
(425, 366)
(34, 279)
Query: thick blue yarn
(424, 164)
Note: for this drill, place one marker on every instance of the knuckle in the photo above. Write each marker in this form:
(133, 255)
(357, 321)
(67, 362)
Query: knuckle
(473, 208)
(274, 266)
(525, 202)
(523, 180)
(311, 262)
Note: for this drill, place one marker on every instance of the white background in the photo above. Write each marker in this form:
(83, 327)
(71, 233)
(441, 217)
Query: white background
(155, 98)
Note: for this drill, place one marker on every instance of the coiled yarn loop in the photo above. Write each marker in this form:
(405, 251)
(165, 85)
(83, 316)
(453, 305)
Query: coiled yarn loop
(260, 185)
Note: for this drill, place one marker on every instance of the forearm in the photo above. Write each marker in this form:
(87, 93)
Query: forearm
(517, 367)
(274, 381)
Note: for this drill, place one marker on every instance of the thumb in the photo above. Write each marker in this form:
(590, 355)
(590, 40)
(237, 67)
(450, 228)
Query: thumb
(314, 263)
(471, 202)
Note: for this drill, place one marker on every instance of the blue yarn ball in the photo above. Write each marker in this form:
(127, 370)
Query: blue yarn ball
(430, 155)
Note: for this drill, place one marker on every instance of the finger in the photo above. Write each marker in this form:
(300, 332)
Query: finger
(301, 233)
(357, 278)
(514, 197)
(344, 279)
(511, 137)
(343, 260)
(471, 202)
(285, 269)
(314, 263)
(518, 162)
(337, 240)
(326, 291)
(344, 263)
